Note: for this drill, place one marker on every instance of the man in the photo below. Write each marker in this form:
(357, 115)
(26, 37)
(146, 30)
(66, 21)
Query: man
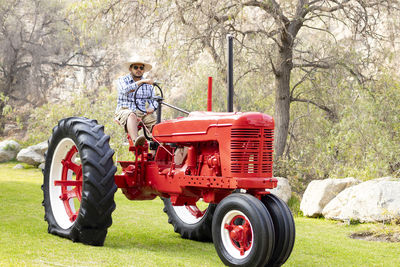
(126, 113)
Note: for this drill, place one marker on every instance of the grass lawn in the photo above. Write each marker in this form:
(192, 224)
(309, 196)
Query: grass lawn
(141, 236)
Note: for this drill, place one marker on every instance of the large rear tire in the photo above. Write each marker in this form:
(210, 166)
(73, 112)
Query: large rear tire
(78, 185)
(189, 221)
(243, 232)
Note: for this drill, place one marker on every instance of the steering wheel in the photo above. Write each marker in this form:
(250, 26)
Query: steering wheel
(144, 95)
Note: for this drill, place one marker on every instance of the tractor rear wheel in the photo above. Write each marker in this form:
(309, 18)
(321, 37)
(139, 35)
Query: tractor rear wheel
(78, 185)
(190, 221)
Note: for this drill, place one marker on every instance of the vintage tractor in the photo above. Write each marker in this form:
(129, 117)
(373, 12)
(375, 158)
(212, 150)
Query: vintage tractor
(226, 161)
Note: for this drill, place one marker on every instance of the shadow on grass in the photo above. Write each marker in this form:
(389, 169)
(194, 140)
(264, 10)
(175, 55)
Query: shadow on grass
(167, 242)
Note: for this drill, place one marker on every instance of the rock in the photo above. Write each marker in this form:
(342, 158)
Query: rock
(372, 201)
(41, 166)
(8, 150)
(321, 192)
(33, 155)
(40, 148)
(283, 190)
(18, 167)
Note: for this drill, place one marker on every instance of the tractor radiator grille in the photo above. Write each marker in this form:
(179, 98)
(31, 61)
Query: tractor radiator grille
(251, 151)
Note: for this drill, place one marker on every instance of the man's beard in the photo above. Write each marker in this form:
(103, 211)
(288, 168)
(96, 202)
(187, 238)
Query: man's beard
(135, 76)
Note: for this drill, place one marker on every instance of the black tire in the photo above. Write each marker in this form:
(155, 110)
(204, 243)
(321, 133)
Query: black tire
(250, 218)
(285, 231)
(97, 175)
(187, 225)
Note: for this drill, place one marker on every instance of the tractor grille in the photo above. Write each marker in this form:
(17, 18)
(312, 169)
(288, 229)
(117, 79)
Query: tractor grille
(251, 150)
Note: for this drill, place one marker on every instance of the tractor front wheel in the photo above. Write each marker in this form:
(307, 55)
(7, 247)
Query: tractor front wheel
(243, 231)
(78, 185)
(284, 226)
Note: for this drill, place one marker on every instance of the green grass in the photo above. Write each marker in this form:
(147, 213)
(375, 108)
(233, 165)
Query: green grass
(141, 236)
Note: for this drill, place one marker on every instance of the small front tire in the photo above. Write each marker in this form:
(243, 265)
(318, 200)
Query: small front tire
(284, 226)
(243, 232)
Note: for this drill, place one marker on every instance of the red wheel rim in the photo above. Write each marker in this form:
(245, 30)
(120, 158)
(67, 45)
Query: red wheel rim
(70, 188)
(240, 233)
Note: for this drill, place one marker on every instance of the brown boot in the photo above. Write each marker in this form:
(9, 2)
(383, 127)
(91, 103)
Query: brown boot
(140, 140)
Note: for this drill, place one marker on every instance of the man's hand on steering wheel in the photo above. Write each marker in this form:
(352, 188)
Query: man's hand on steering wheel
(148, 81)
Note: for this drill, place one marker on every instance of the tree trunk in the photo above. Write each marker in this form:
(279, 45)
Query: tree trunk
(282, 99)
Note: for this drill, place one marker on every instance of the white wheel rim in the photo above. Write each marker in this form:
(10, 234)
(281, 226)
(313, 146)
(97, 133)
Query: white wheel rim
(57, 205)
(225, 235)
(185, 215)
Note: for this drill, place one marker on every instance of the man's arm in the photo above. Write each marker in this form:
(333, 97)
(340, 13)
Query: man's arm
(125, 87)
(148, 81)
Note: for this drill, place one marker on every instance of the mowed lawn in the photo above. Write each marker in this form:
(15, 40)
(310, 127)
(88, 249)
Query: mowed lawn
(141, 236)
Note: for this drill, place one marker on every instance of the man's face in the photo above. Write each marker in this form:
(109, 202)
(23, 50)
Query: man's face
(137, 70)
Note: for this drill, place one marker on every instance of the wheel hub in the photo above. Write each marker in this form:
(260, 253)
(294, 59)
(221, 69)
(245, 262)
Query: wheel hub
(240, 233)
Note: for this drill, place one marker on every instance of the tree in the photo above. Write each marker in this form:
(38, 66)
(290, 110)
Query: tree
(37, 41)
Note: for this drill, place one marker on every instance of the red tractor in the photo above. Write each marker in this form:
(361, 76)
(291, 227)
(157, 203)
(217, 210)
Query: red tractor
(227, 163)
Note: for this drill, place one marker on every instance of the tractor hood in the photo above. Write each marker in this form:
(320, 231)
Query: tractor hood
(203, 126)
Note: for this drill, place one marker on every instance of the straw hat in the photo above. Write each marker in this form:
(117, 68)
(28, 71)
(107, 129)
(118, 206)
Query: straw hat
(131, 61)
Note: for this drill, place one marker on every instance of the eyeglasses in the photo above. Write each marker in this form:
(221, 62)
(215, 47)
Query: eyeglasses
(137, 67)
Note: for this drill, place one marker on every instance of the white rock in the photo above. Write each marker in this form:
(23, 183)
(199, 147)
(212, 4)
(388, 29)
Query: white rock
(283, 190)
(18, 167)
(41, 166)
(372, 201)
(8, 150)
(33, 155)
(321, 192)
(40, 148)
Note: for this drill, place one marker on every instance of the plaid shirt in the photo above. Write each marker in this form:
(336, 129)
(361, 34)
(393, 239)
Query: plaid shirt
(126, 92)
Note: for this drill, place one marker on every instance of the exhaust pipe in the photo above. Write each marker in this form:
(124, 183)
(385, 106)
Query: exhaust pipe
(230, 72)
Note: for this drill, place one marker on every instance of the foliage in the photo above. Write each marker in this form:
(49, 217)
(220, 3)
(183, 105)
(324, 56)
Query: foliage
(6, 107)
(362, 142)
(294, 205)
(41, 49)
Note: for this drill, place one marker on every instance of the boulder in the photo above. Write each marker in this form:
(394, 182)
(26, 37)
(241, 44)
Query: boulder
(40, 148)
(8, 150)
(283, 190)
(321, 192)
(33, 155)
(372, 201)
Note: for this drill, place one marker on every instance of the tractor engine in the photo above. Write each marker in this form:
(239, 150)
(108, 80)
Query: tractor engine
(242, 142)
